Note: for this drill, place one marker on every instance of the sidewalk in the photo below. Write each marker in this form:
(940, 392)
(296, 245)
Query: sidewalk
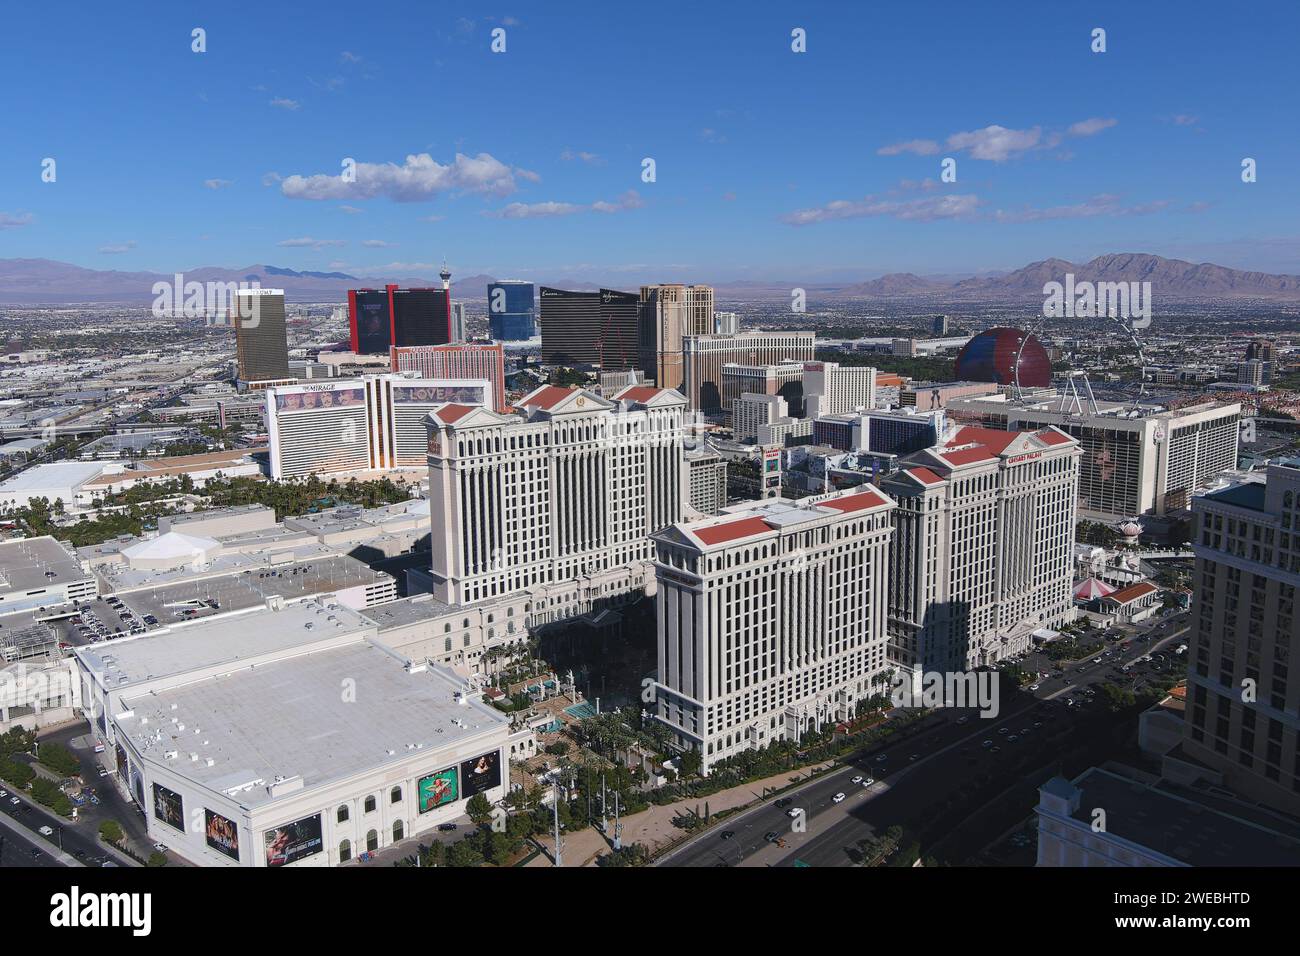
(653, 828)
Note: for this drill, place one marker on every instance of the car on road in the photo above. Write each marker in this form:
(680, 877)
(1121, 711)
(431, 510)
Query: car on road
(4, 793)
(857, 779)
(160, 847)
(987, 743)
(868, 781)
(15, 801)
(794, 812)
(771, 836)
(103, 772)
(1012, 739)
(838, 798)
(727, 834)
(784, 802)
(1003, 731)
(914, 757)
(36, 854)
(963, 719)
(882, 758)
(1035, 686)
(46, 831)
(996, 750)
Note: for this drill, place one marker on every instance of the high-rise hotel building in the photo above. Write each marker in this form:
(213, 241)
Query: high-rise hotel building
(261, 338)
(458, 360)
(771, 620)
(1136, 459)
(984, 533)
(1242, 721)
(704, 356)
(511, 310)
(393, 317)
(667, 313)
(589, 328)
(375, 423)
(566, 490)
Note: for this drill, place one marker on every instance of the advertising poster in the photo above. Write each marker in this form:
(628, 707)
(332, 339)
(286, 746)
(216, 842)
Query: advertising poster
(223, 834)
(480, 774)
(438, 789)
(322, 397)
(293, 841)
(168, 808)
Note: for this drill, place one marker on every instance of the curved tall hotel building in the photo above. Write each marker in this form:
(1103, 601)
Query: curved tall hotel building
(374, 423)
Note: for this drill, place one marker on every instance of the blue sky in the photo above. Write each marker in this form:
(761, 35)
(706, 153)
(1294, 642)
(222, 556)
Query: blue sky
(770, 164)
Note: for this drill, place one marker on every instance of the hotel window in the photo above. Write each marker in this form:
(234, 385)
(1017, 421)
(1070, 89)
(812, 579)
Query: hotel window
(370, 804)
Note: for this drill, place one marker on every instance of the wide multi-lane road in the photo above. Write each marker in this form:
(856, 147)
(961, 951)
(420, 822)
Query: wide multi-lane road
(957, 784)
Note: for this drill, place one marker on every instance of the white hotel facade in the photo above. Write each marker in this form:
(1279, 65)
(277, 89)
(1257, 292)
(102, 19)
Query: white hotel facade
(771, 620)
(558, 499)
(982, 554)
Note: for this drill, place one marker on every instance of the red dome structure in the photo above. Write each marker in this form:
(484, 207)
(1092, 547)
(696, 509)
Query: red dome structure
(991, 357)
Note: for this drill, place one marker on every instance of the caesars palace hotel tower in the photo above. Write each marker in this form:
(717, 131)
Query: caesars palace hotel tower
(559, 498)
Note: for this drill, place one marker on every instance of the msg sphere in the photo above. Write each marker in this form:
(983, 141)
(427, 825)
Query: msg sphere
(991, 357)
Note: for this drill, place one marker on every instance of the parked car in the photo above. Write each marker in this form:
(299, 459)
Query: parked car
(46, 831)
(838, 798)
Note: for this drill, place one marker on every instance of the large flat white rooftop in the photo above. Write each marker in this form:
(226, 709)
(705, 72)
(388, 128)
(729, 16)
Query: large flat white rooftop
(238, 733)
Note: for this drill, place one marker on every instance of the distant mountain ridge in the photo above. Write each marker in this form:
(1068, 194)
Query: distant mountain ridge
(46, 281)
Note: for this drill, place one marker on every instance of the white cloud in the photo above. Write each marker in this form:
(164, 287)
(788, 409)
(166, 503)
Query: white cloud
(217, 183)
(549, 210)
(921, 147)
(591, 159)
(118, 248)
(1186, 119)
(1090, 127)
(922, 209)
(537, 210)
(284, 103)
(377, 244)
(271, 178)
(351, 210)
(1103, 204)
(11, 220)
(347, 56)
(996, 143)
(309, 243)
(710, 135)
(419, 178)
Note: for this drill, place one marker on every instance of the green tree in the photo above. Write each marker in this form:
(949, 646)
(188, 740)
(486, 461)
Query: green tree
(59, 759)
(157, 858)
(111, 831)
(479, 809)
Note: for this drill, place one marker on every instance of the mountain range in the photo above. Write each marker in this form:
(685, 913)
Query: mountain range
(47, 281)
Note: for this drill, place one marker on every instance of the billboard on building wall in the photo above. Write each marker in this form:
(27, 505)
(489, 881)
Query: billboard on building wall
(480, 774)
(438, 789)
(460, 394)
(168, 807)
(222, 834)
(293, 841)
(308, 398)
